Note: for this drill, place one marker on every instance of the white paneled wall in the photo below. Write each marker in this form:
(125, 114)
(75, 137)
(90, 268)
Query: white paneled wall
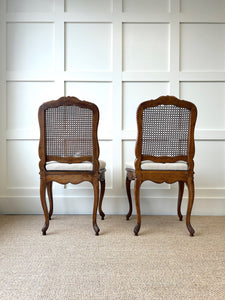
(116, 53)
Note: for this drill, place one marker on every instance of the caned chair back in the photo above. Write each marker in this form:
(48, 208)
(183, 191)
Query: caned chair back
(165, 130)
(69, 130)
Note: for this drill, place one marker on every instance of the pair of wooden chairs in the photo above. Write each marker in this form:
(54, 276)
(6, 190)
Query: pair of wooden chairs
(69, 151)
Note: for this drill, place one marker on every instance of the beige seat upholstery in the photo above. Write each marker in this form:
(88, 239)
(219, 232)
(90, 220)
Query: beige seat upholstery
(84, 166)
(151, 165)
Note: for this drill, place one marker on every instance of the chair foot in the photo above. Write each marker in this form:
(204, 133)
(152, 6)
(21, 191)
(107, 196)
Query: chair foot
(96, 229)
(128, 217)
(136, 229)
(181, 218)
(190, 229)
(102, 215)
(44, 229)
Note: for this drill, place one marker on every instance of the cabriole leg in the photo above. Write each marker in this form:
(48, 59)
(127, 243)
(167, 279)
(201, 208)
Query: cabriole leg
(44, 206)
(128, 182)
(180, 196)
(49, 190)
(95, 206)
(102, 183)
(137, 185)
(190, 185)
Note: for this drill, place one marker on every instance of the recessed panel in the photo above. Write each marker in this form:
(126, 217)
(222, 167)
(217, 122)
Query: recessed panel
(203, 47)
(145, 47)
(105, 148)
(22, 164)
(209, 164)
(202, 6)
(209, 97)
(23, 101)
(136, 92)
(88, 46)
(99, 6)
(30, 6)
(145, 6)
(128, 152)
(29, 47)
(99, 93)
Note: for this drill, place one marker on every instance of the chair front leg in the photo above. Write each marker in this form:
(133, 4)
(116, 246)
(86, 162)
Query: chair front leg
(95, 206)
(180, 196)
(137, 185)
(102, 192)
(128, 182)
(44, 205)
(190, 185)
(49, 190)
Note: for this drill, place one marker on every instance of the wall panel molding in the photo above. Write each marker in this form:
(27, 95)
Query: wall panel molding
(116, 53)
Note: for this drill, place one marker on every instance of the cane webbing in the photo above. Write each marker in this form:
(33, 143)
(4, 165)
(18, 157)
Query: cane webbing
(69, 131)
(165, 131)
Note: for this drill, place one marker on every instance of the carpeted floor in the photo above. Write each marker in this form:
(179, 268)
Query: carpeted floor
(70, 262)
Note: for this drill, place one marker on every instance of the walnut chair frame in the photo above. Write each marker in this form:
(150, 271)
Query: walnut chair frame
(68, 137)
(165, 139)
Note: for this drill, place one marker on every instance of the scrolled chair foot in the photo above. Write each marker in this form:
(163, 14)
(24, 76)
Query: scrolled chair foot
(102, 215)
(190, 229)
(44, 229)
(136, 229)
(129, 214)
(96, 229)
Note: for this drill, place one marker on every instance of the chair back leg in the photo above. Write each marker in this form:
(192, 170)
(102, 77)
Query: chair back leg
(44, 205)
(190, 185)
(128, 182)
(50, 198)
(137, 185)
(180, 196)
(102, 192)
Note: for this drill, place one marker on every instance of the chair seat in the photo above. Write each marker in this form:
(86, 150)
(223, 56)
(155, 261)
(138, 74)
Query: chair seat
(150, 165)
(84, 166)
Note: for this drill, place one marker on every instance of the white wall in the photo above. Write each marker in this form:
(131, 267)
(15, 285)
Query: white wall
(116, 53)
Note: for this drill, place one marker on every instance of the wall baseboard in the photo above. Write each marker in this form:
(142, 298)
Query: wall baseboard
(111, 205)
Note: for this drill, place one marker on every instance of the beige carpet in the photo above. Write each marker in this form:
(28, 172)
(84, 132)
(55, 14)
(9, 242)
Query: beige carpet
(70, 262)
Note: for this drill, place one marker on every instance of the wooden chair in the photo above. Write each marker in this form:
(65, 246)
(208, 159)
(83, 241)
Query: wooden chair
(69, 150)
(164, 150)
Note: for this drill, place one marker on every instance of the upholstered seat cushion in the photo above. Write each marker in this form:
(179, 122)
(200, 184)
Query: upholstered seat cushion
(150, 165)
(84, 166)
